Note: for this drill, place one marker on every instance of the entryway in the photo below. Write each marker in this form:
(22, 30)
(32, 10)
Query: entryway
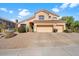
(31, 29)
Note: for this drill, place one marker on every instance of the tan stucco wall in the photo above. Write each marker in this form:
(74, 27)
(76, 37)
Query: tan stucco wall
(26, 22)
(46, 16)
(41, 13)
(52, 17)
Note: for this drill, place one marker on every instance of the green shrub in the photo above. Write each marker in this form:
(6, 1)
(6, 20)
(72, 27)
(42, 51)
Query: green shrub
(21, 29)
(68, 31)
(76, 30)
(0, 30)
(65, 31)
(27, 29)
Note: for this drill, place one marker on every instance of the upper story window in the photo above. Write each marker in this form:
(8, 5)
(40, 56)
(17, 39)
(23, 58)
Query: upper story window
(41, 17)
(54, 18)
(49, 16)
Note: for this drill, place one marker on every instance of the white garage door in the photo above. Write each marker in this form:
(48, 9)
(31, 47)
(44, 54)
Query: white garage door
(44, 29)
(59, 28)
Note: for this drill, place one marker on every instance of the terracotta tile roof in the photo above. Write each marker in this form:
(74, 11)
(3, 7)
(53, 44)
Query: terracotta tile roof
(46, 11)
(26, 19)
(37, 12)
(49, 21)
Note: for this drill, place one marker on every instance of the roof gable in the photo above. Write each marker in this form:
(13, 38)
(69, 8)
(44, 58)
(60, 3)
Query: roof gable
(38, 12)
(47, 12)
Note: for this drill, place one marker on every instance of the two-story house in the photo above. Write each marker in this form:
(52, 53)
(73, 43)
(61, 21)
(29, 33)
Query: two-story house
(44, 21)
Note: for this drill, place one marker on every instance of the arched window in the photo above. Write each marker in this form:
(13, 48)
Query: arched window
(41, 17)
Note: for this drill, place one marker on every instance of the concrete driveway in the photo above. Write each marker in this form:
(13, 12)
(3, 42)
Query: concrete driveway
(41, 44)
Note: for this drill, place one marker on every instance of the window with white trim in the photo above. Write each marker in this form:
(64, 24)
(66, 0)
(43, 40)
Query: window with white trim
(41, 17)
(54, 18)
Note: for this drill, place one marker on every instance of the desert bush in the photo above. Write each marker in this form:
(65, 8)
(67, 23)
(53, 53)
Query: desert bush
(27, 28)
(9, 34)
(68, 31)
(55, 30)
(76, 30)
(0, 30)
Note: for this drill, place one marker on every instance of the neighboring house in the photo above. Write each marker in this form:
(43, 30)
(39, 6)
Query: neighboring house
(7, 24)
(44, 21)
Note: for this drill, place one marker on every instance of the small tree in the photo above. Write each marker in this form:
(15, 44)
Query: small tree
(16, 26)
(69, 22)
(76, 26)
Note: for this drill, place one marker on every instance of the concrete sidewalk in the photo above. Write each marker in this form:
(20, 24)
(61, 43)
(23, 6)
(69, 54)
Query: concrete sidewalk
(42, 51)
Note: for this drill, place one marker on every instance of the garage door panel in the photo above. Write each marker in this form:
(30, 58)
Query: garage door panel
(44, 29)
(60, 28)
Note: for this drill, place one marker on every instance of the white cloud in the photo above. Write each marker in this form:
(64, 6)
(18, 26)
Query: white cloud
(10, 11)
(13, 20)
(4, 9)
(20, 17)
(64, 5)
(23, 9)
(55, 9)
(72, 5)
(24, 12)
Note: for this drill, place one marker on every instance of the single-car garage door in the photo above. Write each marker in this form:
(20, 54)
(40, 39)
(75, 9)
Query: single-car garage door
(59, 28)
(44, 28)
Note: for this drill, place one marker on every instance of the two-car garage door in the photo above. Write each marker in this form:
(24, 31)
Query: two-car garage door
(44, 29)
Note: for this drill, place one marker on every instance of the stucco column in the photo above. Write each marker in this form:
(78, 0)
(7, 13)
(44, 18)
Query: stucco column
(64, 26)
(54, 26)
(35, 27)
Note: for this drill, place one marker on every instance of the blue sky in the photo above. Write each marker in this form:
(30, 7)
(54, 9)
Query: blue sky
(22, 11)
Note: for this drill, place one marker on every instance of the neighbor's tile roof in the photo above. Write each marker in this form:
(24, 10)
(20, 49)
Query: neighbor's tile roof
(49, 21)
(2, 19)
